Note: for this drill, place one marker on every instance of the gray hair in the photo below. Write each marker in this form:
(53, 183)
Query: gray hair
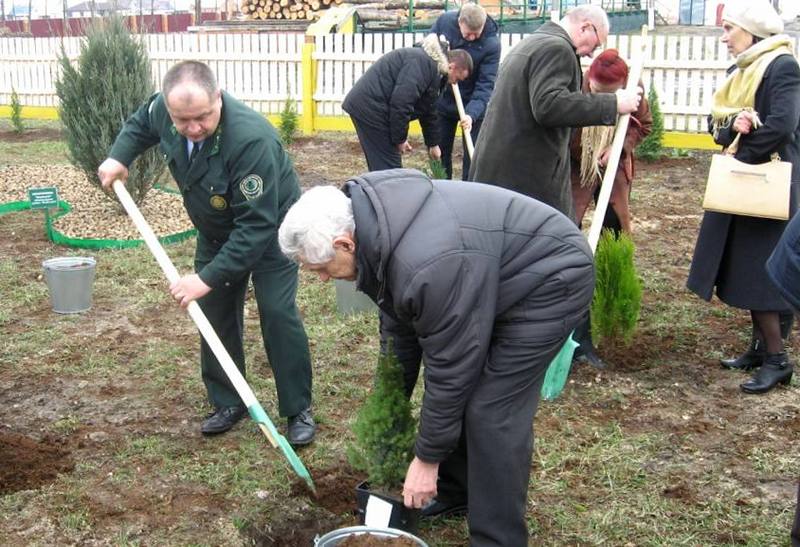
(307, 232)
(473, 16)
(189, 71)
(588, 12)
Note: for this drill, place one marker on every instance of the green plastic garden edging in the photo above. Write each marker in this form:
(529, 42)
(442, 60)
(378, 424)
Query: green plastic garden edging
(84, 243)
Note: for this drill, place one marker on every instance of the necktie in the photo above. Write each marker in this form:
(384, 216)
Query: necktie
(195, 150)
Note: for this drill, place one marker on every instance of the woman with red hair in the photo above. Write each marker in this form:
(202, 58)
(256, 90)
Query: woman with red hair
(591, 146)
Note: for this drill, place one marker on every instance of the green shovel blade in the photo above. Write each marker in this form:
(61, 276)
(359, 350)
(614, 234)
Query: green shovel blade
(257, 413)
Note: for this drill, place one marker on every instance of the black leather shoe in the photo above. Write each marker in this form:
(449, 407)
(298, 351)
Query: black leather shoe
(436, 508)
(752, 358)
(591, 358)
(776, 370)
(301, 428)
(222, 420)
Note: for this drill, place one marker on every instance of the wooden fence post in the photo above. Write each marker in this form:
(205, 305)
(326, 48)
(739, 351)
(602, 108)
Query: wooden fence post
(309, 69)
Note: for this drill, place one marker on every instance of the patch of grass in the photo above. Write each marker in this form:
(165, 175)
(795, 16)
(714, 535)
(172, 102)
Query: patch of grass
(18, 152)
(76, 521)
(67, 425)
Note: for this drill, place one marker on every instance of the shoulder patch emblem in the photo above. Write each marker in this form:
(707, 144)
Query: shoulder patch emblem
(251, 186)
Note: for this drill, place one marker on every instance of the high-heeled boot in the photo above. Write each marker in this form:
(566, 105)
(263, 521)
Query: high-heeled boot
(776, 370)
(750, 359)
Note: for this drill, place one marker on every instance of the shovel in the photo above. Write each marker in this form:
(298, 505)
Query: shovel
(462, 115)
(557, 372)
(254, 408)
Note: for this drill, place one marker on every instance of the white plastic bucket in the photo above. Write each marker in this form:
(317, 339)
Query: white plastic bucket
(70, 280)
(332, 539)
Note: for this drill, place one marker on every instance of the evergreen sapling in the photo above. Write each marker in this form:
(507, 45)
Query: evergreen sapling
(618, 291)
(289, 120)
(16, 112)
(385, 429)
(651, 148)
(109, 81)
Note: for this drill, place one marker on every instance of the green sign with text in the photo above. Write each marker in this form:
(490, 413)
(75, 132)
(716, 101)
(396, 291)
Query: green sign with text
(43, 198)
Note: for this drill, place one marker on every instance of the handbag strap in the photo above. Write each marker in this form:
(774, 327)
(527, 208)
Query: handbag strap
(734, 146)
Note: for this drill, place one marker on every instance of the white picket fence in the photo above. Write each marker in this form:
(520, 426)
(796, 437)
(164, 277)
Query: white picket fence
(263, 69)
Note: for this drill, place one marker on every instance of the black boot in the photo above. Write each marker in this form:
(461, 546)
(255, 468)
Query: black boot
(752, 358)
(585, 352)
(776, 370)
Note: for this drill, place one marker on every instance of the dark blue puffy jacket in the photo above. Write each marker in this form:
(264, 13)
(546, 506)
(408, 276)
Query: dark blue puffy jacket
(783, 266)
(485, 52)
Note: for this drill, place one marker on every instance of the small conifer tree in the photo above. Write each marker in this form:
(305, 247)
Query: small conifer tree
(618, 291)
(110, 80)
(436, 170)
(384, 428)
(651, 148)
(289, 120)
(16, 112)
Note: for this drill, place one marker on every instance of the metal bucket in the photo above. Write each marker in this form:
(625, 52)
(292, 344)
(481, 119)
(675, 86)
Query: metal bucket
(333, 538)
(349, 300)
(70, 280)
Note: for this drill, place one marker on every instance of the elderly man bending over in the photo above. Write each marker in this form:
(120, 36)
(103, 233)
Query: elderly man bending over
(485, 284)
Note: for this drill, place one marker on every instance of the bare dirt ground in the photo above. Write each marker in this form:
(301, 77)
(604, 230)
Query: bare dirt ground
(87, 431)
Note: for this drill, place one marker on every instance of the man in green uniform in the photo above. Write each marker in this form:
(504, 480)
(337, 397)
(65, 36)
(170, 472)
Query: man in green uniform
(237, 183)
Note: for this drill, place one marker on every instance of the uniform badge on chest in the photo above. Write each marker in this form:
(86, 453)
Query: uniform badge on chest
(218, 203)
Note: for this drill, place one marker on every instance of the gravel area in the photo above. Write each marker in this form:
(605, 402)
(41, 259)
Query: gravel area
(93, 215)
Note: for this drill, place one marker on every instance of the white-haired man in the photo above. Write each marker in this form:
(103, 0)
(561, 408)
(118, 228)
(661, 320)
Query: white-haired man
(524, 141)
(486, 284)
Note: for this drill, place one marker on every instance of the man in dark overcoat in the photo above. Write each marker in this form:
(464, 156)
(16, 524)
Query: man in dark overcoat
(475, 32)
(237, 182)
(524, 141)
(486, 284)
(402, 86)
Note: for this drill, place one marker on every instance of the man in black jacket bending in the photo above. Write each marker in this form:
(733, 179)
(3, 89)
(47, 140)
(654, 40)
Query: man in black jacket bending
(401, 86)
(485, 284)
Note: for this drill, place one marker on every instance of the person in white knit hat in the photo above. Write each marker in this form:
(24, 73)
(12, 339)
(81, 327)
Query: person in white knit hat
(755, 114)
(757, 17)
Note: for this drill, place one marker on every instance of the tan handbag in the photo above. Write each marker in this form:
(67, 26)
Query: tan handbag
(740, 188)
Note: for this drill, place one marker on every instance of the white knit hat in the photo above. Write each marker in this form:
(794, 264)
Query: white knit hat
(757, 17)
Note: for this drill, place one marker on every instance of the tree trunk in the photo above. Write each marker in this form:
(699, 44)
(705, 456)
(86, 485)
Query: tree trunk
(198, 12)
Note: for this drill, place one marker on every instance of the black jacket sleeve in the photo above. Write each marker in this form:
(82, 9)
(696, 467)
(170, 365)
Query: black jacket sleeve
(412, 84)
(452, 313)
(484, 83)
(783, 97)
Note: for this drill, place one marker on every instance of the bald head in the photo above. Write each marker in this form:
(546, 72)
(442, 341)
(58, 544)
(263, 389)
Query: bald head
(587, 26)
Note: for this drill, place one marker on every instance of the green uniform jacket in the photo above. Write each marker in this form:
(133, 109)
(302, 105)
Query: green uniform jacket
(238, 188)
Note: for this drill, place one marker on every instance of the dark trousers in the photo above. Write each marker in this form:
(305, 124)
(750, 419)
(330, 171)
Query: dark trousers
(490, 467)
(285, 341)
(447, 129)
(377, 145)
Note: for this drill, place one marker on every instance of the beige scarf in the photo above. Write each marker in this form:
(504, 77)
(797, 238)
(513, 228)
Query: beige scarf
(594, 140)
(739, 90)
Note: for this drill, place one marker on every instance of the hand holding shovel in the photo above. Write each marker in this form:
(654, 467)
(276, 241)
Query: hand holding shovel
(255, 409)
(463, 116)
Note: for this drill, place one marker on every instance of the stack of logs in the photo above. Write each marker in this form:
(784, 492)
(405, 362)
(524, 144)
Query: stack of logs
(284, 9)
(389, 11)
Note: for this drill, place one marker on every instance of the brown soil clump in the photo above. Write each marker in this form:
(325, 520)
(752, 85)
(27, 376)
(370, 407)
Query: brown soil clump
(368, 540)
(28, 464)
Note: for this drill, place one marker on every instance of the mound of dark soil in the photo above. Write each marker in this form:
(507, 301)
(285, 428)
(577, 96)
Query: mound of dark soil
(29, 464)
